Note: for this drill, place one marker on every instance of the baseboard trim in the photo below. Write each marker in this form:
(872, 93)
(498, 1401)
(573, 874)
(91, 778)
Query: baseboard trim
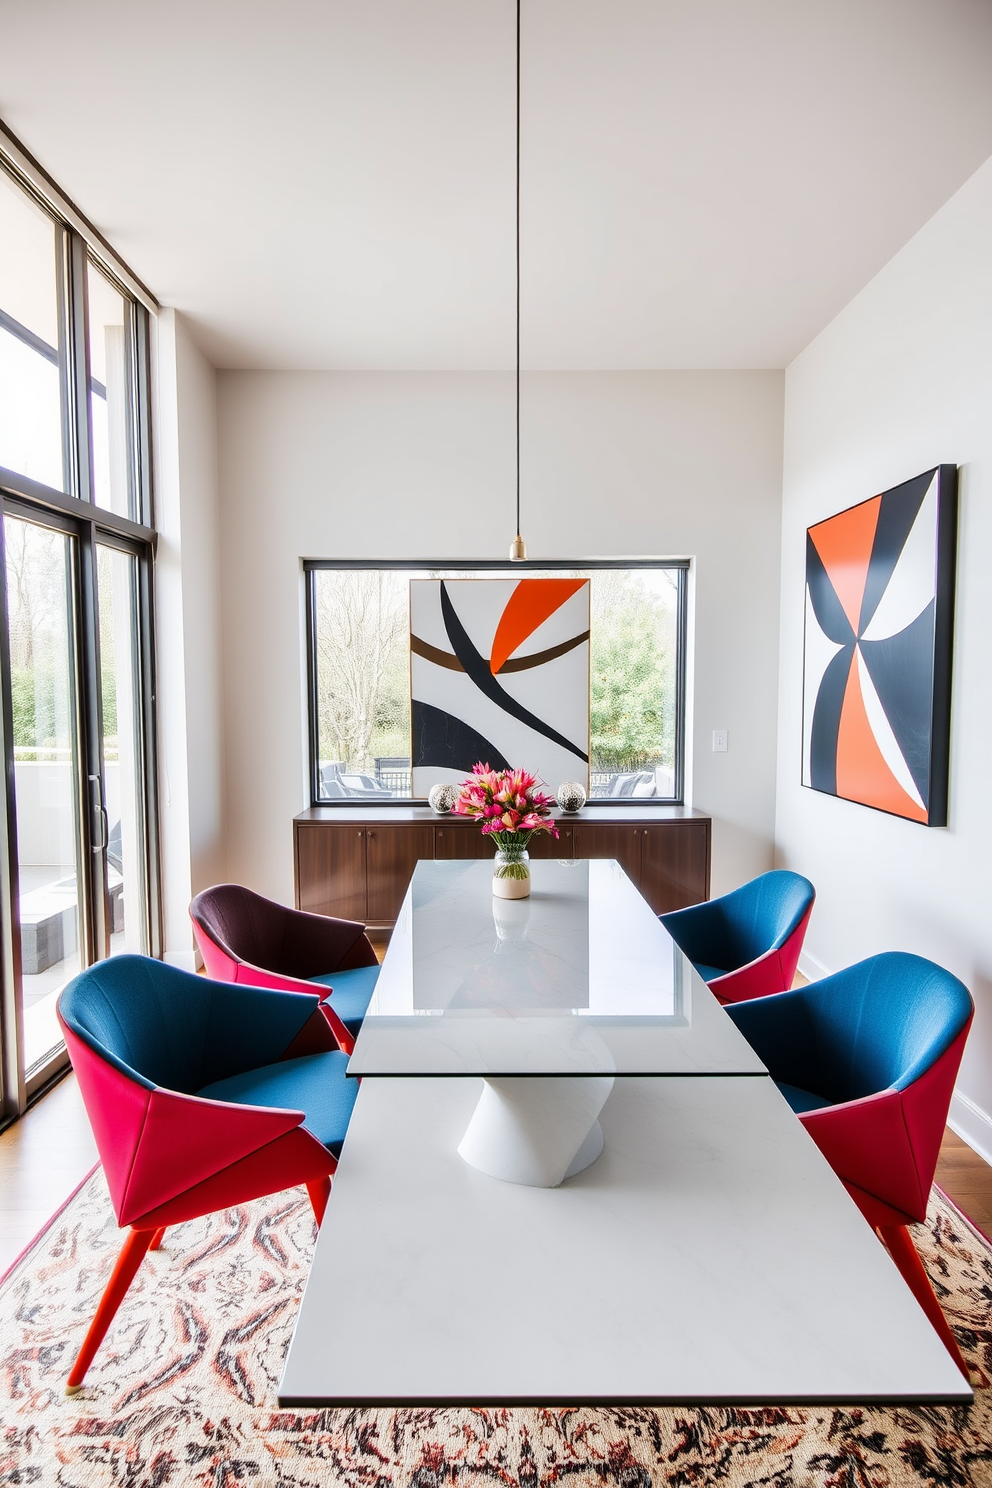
(971, 1124)
(185, 960)
(811, 968)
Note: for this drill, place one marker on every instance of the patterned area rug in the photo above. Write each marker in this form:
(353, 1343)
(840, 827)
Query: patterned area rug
(183, 1390)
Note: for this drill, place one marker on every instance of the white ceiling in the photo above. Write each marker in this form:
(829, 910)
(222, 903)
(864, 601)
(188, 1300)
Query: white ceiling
(329, 183)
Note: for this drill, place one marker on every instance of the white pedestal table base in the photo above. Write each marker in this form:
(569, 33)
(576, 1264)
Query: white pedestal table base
(536, 1130)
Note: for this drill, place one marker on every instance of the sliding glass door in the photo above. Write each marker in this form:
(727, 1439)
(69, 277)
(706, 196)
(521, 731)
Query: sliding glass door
(76, 718)
(122, 767)
(50, 909)
(78, 863)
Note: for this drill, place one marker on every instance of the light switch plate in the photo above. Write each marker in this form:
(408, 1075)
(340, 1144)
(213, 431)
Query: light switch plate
(719, 741)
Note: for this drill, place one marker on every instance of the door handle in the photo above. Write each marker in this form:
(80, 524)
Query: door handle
(96, 801)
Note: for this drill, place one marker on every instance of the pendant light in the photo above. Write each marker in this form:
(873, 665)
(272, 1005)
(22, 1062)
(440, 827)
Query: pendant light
(518, 548)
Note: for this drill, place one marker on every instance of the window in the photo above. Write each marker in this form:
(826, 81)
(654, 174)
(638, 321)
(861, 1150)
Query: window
(76, 554)
(32, 354)
(359, 639)
(111, 349)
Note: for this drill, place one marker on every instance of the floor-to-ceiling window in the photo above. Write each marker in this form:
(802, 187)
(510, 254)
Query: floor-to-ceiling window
(78, 871)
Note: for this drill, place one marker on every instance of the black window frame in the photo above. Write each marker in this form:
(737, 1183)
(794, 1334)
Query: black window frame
(313, 566)
(74, 512)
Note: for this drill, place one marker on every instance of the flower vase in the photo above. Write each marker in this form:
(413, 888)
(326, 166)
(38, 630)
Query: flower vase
(511, 873)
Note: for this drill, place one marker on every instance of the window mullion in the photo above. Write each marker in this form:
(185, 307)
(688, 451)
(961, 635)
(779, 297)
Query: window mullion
(91, 737)
(133, 432)
(12, 1093)
(79, 369)
(146, 661)
(144, 509)
(66, 377)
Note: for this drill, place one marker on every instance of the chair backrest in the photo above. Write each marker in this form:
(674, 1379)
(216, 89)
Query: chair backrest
(881, 1024)
(245, 924)
(166, 1028)
(149, 1020)
(757, 918)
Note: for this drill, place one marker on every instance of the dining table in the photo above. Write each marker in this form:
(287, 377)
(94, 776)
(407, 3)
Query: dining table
(568, 1179)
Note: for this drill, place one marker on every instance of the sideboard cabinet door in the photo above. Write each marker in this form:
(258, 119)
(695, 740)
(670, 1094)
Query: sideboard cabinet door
(461, 839)
(393, 854)
(330, 870)
(543, 845)
(675, 864)
(609, 840)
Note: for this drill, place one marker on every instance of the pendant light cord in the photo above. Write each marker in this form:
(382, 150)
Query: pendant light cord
(518, 267)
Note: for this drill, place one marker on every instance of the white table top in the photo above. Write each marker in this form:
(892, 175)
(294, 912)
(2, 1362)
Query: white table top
(579, 979)
(709, 1255)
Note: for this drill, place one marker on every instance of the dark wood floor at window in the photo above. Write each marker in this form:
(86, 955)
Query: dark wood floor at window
(966, 1179)
(42, 1159)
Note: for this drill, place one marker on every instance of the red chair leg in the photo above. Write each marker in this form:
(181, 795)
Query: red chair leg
(157, 1238)
(131, 1256)
(319, 1191)
(903, 1252)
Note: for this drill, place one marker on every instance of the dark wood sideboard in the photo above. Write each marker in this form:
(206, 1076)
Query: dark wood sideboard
(356, 863)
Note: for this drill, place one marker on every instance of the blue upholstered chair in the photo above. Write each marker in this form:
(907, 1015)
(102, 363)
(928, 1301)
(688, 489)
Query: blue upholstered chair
(747, 943)
(867, 1059)
(200, 1095)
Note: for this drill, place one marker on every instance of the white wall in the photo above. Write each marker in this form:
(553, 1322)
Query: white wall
(201, 609)
(899, 382)
(421, 465)
(187, 615)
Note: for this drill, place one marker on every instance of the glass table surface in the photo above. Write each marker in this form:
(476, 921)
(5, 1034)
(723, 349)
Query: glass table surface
(579, 979)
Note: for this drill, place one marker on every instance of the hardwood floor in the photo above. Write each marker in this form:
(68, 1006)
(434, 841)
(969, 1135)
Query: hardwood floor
(966, 1179)
(42, 1159)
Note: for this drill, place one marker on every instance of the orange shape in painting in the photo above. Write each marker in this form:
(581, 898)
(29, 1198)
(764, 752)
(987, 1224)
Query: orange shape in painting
(528, 606)
(844, 544)
(862, 774)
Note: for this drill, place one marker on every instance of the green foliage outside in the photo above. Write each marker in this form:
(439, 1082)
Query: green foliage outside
(34, 708)
(632, 672)
(39, 695)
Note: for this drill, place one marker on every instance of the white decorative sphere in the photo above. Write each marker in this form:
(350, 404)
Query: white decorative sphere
(571, 796)
(442, 797)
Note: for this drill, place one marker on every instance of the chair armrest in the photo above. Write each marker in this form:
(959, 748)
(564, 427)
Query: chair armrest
(780, 1031)
(156, 1143)
(210, 1136)
(867, 1143)
(247, 975)
(765, 976)
(249, 1026)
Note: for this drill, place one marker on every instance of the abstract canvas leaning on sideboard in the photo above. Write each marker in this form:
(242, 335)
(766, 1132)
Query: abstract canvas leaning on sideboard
(499, 672)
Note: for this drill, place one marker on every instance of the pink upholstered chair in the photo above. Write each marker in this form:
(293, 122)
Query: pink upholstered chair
(747, 943)
(200, 1096)
(867, 1058)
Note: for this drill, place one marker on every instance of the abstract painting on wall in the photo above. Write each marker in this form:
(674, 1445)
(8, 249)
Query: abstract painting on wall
(877, 661)
(499, 672)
